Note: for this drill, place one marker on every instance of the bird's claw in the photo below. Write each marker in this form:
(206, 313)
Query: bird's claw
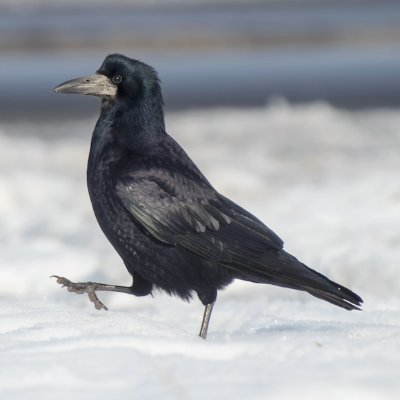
(80, 288)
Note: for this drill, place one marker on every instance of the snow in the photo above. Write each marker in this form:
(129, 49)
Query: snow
(325, 180)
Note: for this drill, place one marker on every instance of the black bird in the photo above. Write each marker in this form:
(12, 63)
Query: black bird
(172, 229)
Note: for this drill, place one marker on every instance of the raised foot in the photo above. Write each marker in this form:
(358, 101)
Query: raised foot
(80, 288)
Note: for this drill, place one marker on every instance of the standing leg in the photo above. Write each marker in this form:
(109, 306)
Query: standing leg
(206, 320)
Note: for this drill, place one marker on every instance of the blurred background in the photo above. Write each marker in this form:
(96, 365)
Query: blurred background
(208, 53)
(291, 108)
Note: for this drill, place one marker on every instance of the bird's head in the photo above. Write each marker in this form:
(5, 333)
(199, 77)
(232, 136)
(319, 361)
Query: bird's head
(119, 79)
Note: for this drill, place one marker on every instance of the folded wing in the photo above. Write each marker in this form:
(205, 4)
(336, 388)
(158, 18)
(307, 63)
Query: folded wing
(178, 211)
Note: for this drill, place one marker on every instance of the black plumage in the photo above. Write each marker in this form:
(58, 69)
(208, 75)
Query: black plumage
(172, 229)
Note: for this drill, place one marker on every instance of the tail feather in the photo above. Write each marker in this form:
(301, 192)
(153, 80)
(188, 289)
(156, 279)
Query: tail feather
(333, 292)
(347, 302)
(287, 271)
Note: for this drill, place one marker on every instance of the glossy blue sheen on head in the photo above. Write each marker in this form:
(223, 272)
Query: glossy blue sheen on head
(138, 102)
(138, 79)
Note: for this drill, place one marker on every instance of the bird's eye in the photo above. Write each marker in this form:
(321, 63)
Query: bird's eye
(117, 78)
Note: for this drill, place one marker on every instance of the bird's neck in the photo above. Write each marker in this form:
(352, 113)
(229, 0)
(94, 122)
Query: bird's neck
(140, 126)
(121, 129)
(103, 141)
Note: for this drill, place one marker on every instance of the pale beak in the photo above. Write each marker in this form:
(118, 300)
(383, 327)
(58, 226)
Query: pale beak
(94, 85)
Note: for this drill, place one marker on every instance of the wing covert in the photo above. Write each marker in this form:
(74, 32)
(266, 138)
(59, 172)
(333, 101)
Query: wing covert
(173, 219)
(194, 217)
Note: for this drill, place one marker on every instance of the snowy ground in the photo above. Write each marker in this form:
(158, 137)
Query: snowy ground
(326, 181)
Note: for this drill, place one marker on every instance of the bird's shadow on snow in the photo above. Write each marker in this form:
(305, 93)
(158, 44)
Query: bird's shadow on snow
(298, 327)
(292, 328)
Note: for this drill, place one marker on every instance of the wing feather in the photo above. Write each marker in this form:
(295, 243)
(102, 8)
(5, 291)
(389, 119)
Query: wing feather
(197, 218)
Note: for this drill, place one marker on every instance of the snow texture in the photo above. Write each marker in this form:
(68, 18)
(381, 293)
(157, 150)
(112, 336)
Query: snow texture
(326, 181)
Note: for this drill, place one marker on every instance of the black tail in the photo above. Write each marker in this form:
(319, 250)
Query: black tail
(330, 291)
(282, 269)
(343, 297)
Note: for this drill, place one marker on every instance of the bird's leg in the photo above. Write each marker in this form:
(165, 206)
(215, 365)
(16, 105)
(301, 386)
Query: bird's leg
(206, 320)
(90, 288)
